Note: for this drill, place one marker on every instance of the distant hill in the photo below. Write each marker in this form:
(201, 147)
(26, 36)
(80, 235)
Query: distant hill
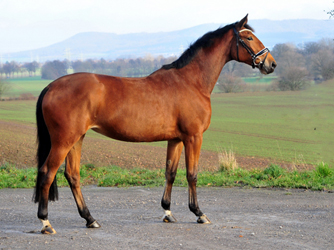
(111, 46)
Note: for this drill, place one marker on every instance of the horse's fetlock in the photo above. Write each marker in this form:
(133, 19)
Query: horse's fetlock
(165, 204)
(170, 175)
(195, 209)
(42, 215)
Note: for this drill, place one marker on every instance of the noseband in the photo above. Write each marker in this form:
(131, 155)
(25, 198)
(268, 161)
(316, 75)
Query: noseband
(249, 50)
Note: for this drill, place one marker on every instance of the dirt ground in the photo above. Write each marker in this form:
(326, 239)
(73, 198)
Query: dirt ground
(18, 146)
(131, 219)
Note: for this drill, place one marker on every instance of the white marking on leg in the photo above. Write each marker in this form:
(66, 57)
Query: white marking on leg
(46, 223)
(168, 213)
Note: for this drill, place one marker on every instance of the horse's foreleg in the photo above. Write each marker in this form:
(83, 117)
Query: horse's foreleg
(192, 149)
(174, 151)
(72, 174)
(47, 174)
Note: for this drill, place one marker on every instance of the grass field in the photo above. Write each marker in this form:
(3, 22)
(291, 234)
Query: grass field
(291, 126)
(260, 79)
(287, 126)
(18, 86)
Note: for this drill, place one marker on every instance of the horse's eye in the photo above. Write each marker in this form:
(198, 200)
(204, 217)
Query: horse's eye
(250, 38)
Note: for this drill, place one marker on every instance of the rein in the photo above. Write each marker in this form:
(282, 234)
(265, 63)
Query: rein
(249, 50)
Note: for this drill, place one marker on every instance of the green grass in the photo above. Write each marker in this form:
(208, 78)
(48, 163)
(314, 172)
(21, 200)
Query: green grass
(18, 86)
(321, 178)
(285, 126)
(259, 80)
(18, 111)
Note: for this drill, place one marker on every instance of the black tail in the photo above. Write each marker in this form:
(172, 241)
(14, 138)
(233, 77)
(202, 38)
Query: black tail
(44, 147)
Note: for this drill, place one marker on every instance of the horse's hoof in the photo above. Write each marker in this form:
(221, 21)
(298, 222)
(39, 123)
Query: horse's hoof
(48, 230)
(203, 219)
(95, 224)
(168, 217)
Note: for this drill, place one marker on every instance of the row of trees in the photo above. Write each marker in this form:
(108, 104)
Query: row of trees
(12, 67)
(297, 67)
(120, 67)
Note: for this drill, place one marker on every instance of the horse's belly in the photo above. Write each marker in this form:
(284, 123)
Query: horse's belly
(137, 131)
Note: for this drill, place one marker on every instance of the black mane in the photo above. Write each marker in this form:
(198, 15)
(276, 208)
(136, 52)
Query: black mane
(203, 42)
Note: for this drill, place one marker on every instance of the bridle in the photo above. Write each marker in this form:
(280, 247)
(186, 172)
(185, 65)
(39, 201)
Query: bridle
(249, 50)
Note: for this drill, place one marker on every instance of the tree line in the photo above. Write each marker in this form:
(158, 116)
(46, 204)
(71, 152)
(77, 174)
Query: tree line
(121, 67)
(10, 68)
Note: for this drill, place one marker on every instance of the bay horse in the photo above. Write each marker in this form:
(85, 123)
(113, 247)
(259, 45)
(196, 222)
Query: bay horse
(172, 104)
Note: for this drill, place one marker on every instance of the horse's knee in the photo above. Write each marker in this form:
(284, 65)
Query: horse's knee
(192, 178)
(170, 176)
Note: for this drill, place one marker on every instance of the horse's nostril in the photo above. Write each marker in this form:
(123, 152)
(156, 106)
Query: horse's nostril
(273, 65)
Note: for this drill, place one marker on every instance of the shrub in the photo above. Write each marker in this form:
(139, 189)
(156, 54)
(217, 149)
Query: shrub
(323, 170)
(228, 83)
(327, 71)
(27, 96)
(227, 161)
(293, 78)
(274, 171)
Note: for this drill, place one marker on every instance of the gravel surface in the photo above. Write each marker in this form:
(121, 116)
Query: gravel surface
(131, 219)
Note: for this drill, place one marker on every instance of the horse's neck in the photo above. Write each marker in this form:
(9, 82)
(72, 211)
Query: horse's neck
(212, 61)
(204, 69)
(208, 63)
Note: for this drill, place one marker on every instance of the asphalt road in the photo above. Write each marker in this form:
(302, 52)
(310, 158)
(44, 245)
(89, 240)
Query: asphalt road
(131, 219)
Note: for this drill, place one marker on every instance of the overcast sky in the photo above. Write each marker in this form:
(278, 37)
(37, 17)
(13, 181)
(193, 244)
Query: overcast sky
(31, 24)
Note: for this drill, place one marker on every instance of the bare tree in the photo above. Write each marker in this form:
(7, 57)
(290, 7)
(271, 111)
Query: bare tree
(31, 67)
(10, 67)
(294, 78)
(330, 13)
(228, 83)
(287, 58)
(322, 64)
(237, 69)
(53, 70)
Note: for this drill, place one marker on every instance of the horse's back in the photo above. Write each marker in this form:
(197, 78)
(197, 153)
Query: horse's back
(129, 109)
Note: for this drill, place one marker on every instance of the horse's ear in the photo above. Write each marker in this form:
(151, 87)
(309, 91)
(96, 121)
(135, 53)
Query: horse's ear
(242, 22)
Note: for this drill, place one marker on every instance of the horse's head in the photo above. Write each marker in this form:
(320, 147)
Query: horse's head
(250, 50)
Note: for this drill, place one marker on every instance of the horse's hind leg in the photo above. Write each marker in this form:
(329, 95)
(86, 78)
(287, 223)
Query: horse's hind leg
(47, 173)
(72, 174)
(174, 151)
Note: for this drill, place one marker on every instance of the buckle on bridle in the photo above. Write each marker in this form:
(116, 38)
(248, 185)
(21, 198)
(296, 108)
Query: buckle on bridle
(250, 51)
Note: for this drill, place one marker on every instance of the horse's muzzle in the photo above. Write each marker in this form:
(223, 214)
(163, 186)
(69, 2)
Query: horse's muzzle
(268, 67)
